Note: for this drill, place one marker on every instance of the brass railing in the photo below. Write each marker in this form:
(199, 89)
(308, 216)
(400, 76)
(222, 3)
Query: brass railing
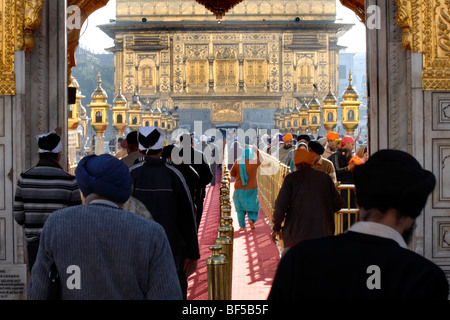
(220, 263)
(344, 218)
(270, 177)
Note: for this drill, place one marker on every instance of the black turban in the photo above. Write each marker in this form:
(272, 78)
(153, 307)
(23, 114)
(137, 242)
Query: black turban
(316, 146)
(393, 179)
(304, 137)
(49, 142)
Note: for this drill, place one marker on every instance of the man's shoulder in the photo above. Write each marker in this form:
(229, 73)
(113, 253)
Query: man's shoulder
(86, 213)
(48, 172)
(326, 161)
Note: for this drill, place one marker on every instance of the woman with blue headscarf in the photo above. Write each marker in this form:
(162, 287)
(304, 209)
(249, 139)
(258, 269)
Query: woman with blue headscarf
(245, 196)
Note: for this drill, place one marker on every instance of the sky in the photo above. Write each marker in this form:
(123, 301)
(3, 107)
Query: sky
(97, 41)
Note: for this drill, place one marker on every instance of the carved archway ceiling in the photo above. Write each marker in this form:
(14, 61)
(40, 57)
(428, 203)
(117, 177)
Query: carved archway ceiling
(357, 6)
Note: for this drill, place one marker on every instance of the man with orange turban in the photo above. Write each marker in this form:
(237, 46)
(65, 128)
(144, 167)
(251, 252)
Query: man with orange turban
(306, 203)
(330, 149)
(288, 145)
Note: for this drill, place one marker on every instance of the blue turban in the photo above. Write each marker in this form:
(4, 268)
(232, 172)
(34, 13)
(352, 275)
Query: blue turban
(106, 176)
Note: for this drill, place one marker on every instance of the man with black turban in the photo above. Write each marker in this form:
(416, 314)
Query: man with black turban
(371, 260)
(41, 190)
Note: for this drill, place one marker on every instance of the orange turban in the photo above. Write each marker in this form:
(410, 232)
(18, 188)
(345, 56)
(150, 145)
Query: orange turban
(287, 137)
(301, 155)
(332, 136)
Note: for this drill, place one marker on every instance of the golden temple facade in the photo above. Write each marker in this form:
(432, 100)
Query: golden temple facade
(262, 56)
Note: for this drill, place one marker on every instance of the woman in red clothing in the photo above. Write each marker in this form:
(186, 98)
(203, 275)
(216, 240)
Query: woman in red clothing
(245, 196)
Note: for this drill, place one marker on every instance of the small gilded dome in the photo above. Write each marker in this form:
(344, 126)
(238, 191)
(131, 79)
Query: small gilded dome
(330, 98)
(74, 83)
(119, 99)
(136, 103)
(295, 110)
(314, 104)
(350, 93)
(99, 94)
(304, 107)
(277, 110)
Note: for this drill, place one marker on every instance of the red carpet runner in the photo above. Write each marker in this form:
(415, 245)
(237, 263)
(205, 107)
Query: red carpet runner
(255, 256)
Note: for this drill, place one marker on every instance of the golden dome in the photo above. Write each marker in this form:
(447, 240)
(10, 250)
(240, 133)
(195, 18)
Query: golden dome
(74, 83)
(314, 104)
(330, 98)
(304, 107)
(119, 99)
(350, 93)
(156, 110)
(277, 110)
(99, 94)
(136, 103)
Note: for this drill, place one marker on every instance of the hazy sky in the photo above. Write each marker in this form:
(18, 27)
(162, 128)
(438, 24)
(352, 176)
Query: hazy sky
(94, 39)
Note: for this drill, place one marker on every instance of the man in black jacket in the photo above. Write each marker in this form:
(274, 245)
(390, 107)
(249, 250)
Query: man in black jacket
(197, 160)
(164, 191)
(371, 260)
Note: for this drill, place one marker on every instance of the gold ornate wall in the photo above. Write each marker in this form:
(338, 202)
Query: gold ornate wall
(426, 29)
(18, 20)
(233, 67)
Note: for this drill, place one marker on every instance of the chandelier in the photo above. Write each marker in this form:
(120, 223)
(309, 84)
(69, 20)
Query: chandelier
(219, 7)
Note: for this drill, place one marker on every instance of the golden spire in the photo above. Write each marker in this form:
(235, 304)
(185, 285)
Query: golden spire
(99, 94)
(350, 93)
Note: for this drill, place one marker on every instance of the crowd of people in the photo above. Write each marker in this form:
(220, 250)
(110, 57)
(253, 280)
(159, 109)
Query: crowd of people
(130, 223)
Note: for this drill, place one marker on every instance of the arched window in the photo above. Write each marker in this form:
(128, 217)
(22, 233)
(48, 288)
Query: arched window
(314, 120)
(134, 121)
(98, 117)
(147, 76)
(147, 123)
(351, 115)
(330, 117)
(295, 123)
(156, 124)
(303, 122)
(306, 74)
(119, 118)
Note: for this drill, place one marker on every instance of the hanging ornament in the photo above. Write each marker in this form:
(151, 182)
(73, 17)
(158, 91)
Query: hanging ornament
(219, 7)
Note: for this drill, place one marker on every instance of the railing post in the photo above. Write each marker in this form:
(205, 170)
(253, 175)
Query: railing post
(217, 268)
(227, 249)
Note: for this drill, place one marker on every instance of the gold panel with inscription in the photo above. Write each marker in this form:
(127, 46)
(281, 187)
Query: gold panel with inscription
(230, 112)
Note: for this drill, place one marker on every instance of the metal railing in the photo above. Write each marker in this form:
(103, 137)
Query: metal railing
(344, 218)
(220, 263)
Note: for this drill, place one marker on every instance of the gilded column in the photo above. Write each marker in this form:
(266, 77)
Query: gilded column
(99, 115)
